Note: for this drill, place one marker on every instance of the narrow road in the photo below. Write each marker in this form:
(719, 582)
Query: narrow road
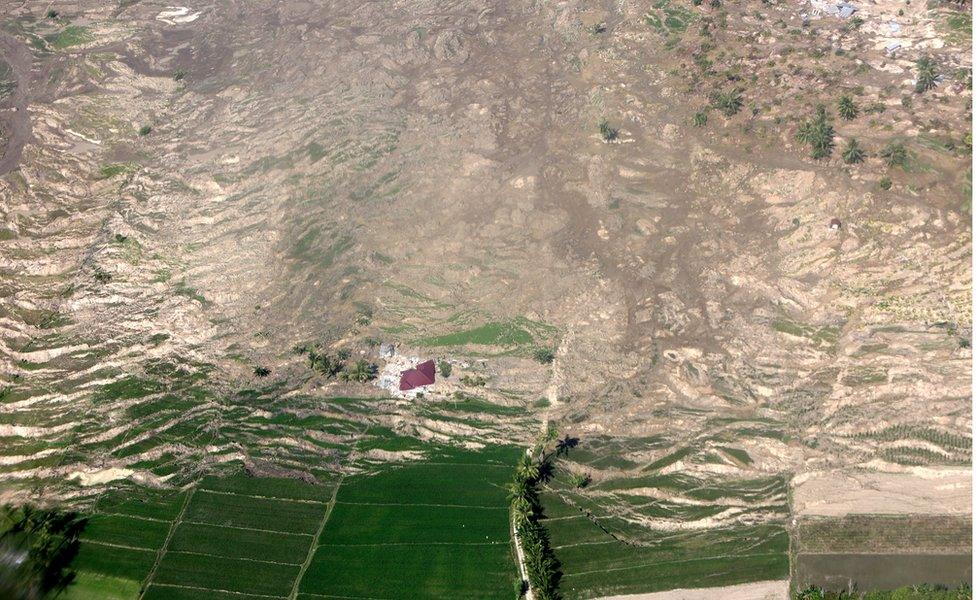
(521, 562)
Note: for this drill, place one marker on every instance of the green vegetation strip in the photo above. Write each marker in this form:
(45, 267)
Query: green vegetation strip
(535, 551)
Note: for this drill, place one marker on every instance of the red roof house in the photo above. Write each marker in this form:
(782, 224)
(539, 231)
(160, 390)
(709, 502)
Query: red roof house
(421, 375)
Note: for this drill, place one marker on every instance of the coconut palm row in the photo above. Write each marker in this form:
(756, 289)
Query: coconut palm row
(533, 470)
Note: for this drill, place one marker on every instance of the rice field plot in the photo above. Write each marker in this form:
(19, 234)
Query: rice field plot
(250, 512)
(183, 593)
(596, 563)
(882, 571)
(89, 586)
(216, 573)
(416, 571)
(126, 531)
(241, 543)
(435, 529)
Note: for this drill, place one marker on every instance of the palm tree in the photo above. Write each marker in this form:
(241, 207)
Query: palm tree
(895, 155)
(700, 119)
(527, 469)
(546, 469)
(729, 102)
(847, 109)
(818, 133)
(521, 512)
(518, 488)
(580, 480)
(927, 74)
(551, 433)
(362, 371)
(853, 153)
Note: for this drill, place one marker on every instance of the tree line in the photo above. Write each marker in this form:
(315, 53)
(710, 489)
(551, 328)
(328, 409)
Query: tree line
(534, 469)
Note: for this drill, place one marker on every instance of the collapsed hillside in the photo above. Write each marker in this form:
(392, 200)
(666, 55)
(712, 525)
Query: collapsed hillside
(189, 194)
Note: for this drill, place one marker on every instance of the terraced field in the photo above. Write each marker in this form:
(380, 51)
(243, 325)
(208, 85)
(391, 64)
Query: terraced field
(606, 549)
(434, 528)
(652, 518)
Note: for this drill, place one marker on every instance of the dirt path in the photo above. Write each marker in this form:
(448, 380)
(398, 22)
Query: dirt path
(523, 572)
(760, 590)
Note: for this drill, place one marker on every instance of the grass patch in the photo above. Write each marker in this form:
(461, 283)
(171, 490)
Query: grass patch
(738, 454)
(110, 171)
(72, 35)
(823, 335)
(515, 333)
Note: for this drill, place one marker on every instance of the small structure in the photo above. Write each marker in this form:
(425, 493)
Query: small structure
(842, 10)
(419, 376)
(834, 224)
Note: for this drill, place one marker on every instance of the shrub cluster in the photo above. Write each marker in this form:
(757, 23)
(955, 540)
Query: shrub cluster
(337, 365)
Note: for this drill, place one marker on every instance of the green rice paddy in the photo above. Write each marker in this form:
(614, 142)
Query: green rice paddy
(434, 529)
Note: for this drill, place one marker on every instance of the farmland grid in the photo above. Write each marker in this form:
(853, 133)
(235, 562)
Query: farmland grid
(440, 526)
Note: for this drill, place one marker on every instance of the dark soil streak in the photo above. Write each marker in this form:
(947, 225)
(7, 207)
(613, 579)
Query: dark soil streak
(14, 120)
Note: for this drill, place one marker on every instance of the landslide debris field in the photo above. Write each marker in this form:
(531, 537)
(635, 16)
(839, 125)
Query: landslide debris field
(630, 220)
